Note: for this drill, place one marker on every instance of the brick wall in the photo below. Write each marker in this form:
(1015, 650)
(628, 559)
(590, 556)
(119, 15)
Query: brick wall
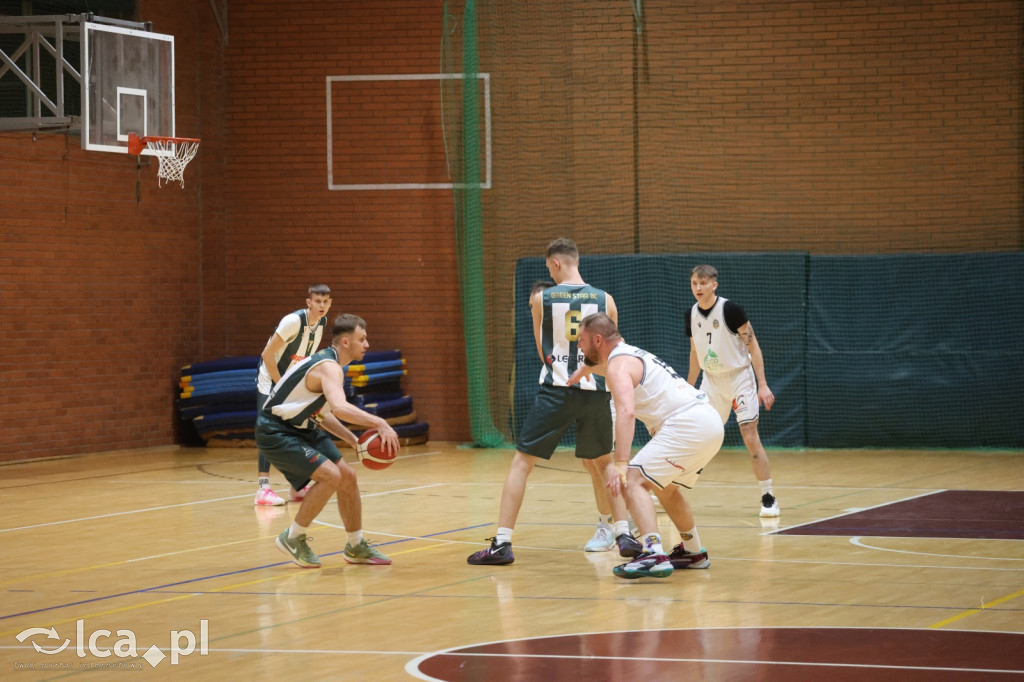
(831, 127)
(388, 256)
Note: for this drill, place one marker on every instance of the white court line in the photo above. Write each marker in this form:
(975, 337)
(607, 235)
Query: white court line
(182, 504)
(451, 542)
(122, 513)
(246, 482)
(856, 564)
(857, 541)
(845, 513)
(713, 556)
(421, 655)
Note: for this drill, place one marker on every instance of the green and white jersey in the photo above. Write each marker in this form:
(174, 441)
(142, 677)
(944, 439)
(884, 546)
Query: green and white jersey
(300, 341)
(564, 307)
(293, 403)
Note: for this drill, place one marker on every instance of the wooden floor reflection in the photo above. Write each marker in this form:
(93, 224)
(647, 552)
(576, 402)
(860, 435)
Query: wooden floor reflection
(158, 541)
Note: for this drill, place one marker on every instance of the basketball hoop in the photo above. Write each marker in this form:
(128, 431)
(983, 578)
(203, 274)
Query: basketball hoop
(173, 154)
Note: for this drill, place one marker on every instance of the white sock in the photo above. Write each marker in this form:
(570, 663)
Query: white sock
(652, 543)
(296, 530)
(504, 535)
(264, 482)
(355, 537)
(601, 518)
(621, 527)
(766, 486)
(691, 541)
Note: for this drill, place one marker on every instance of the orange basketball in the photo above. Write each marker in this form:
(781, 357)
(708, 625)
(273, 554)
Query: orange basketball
(371, 451)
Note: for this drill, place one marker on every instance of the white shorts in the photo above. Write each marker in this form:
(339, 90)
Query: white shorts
(682, 446)
(732, 392)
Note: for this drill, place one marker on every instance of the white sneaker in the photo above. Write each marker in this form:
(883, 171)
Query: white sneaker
(603, 540)
(769, 506)
(266, 497)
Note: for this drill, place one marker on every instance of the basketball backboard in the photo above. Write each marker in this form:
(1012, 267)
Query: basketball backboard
(128, 78)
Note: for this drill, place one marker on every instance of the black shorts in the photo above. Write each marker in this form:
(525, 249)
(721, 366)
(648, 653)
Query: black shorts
(555, 409)
(295, 453)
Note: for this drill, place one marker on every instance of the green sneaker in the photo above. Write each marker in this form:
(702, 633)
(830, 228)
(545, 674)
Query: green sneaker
(364, 553)
(297, 550)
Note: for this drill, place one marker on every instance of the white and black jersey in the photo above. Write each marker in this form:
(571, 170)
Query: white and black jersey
(715, 335)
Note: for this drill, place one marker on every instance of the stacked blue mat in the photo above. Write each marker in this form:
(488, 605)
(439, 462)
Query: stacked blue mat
(375, 385)
(218, 397)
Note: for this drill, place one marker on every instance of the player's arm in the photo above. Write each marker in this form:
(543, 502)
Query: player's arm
(611, 309)
(620, 383)
(764, 394)
(694, 371)
(332, 381)
(269, 355)
(332, 425)
(537, 312)
(582, 372)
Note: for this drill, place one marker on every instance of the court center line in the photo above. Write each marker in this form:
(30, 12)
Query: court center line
(971, 612)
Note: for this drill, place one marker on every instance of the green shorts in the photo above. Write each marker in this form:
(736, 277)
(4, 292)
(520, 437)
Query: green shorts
(295, 453)
(555, 409)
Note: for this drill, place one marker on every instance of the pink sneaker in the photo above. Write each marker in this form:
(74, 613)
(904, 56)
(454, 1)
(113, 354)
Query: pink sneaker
(266, 497)
(299, 495)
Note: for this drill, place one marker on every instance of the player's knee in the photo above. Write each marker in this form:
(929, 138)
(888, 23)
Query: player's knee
(348, 480)
(329, 475)
(523, 462)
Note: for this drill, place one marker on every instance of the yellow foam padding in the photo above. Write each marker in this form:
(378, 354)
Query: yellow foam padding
(356, 370)
(404, 419)
(415, 440)
(363, 379)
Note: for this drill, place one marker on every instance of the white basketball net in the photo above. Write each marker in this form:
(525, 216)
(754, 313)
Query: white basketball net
(173, 157)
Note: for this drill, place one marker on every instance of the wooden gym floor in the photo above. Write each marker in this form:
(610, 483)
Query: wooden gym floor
(856, 578)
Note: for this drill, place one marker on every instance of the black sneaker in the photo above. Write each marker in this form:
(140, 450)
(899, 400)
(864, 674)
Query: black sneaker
(681, 558)
(495, 555)
(629, 546)
(769, 506)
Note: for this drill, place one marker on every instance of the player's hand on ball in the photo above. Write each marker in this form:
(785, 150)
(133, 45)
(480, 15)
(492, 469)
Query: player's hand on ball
(389, 438)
